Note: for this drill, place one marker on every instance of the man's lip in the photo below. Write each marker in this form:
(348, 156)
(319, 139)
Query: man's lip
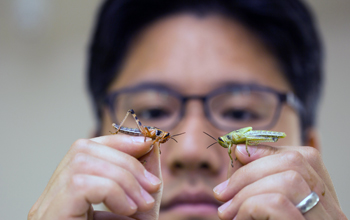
(200, 210)
(191, 202)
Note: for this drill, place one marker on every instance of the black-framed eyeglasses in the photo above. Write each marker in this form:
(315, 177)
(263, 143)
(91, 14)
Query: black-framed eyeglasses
(228, 108)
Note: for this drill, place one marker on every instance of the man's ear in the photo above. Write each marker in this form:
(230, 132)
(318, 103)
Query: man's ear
(313, 139)
(99, 129)
(95, 133)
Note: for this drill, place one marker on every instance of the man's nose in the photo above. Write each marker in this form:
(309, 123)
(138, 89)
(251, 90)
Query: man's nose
(191, 153)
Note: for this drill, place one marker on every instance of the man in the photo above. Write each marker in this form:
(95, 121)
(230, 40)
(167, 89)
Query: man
(194, 66)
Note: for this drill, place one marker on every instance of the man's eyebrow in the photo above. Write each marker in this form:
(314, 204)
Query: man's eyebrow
(155, 85)
(166, 85)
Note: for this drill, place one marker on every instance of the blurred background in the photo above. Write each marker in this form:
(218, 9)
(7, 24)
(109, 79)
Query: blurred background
(45, 107)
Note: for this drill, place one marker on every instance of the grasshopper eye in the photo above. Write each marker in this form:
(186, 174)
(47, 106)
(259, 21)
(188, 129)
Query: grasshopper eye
(220, 139)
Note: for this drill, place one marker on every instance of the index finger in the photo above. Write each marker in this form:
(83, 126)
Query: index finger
(310, 154)
(267, 160)
(136, 146)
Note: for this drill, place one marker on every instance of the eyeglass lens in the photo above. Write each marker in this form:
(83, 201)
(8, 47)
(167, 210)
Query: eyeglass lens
(153, 108)
(243, 108)
(227, 110)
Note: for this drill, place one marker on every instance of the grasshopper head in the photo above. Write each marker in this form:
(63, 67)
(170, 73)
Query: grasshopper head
(165, 136)
(223, 142)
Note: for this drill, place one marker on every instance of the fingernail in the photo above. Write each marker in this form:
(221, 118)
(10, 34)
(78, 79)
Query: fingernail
(219, 188)
(224, 206)
(251, 149)
(139, 139)
(148, 198)
(131, 203)
(152, 178)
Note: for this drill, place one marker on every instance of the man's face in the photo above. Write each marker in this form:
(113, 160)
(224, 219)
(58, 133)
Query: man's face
(194, 56)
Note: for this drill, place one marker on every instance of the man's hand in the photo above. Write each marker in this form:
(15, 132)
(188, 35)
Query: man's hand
(106, 169)
(273, 181)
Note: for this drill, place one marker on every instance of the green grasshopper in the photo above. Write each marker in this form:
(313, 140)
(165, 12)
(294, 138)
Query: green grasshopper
(248, 136)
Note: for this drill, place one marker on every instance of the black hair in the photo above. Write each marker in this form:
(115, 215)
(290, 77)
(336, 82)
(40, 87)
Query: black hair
(285, 26)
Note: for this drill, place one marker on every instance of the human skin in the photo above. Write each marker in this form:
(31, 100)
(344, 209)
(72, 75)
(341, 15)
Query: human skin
(194, 56)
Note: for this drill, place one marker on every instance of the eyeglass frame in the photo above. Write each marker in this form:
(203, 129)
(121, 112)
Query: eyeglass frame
(288, 97)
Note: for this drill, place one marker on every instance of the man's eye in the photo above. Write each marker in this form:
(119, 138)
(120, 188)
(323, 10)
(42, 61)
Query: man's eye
(153, 114)
(239, 115)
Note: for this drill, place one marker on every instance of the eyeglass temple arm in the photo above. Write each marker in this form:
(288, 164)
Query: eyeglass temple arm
(294, 102)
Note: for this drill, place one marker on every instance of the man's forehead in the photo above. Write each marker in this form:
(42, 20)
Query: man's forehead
(168, 58)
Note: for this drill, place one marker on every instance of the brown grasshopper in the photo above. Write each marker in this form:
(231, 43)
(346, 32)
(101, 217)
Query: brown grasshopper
(156, 134)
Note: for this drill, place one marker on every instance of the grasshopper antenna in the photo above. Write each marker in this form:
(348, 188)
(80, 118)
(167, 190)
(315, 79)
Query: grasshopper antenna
(211, 137)
(212, 144)
(172, 137)
(178, 134)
